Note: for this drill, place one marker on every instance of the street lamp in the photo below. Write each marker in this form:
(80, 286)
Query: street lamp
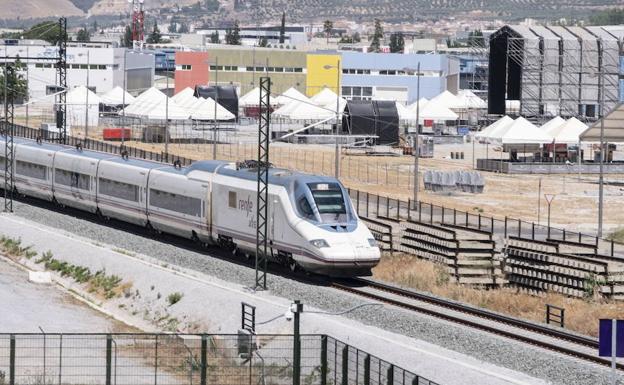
(337, 149)
(601, 78)
(416, 137)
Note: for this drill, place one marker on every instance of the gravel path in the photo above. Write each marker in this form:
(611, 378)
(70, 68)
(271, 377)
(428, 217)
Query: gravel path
(552, 367)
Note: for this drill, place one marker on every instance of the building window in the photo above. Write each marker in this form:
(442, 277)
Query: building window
(289, 69)
(250, 69)
(185, 67)
(357, 93)
(101, 67)
(75, 66)
(298, 69)
(259, 69)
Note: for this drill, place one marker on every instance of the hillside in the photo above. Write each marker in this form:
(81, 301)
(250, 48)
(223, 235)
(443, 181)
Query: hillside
(317, 10)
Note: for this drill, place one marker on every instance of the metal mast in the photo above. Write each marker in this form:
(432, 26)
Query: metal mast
(9, 73)
(263, 183)
(61, 68)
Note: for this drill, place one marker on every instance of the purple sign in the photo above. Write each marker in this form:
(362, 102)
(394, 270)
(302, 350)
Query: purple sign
(606, 337)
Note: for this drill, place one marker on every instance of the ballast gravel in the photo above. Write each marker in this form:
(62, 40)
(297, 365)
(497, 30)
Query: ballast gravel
(552, 367)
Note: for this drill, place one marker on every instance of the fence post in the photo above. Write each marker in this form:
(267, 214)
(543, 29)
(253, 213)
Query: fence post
(419, 211)
(387, 207)
(612, 247)
(467, 219)
(455, 216)
(533, 231)
(156, 360)
(377, 212)
(323, 360)
(409, 208)
(390, 375)
(442, 214)
(204, 359)
(505, 236)
(492, 225)
(367, 202)
(357, 199)
(367, 370)
(431, 214)
(12, 361)
(479, 221)
(519, 228)
(109, 358)
(345, 365)
(398, 209)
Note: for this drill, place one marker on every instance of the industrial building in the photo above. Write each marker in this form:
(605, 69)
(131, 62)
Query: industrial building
(393, 76)
(242, 67)
(103, 63)
(555, 70)
(250, 36)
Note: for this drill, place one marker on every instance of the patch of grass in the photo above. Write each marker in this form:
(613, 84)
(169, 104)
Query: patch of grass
(124, 252)
(617, 235)
(581, 314)
(106, 285)
(174, 298)
(13, 248)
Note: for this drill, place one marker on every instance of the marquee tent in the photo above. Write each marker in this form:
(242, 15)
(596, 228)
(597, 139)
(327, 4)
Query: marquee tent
(521, 131)
(486, 132)
(152, 104)
(78, 101)
(613, 127)
(115, 97)
(448, 100)
(252, 98)
(569, 132)
(326, 96)
(290, 95)
(470, 100)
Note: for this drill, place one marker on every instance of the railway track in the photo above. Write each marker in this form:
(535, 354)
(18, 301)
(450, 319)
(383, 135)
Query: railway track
(559, 341)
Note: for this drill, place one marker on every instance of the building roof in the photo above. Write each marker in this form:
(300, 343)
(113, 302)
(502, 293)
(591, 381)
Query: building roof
(521, 131)
(289, 95)
(613, 127)
(448, 100)
(569, 132)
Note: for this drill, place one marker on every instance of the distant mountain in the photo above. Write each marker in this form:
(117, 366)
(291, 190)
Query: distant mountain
(314, 10)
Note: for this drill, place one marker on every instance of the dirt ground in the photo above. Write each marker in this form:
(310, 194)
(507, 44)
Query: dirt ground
(574, 206)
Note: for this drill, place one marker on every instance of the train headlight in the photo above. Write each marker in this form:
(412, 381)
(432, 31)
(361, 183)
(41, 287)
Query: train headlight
(372, 242)
(319, 243)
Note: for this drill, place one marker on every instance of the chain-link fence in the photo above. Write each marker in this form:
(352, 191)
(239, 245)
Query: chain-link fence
(172, 359)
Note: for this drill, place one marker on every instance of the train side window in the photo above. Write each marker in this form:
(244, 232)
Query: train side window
(73, 179)
(2, 160)
(174, 202)
(232, 199)
(31, 170)
(119, 190)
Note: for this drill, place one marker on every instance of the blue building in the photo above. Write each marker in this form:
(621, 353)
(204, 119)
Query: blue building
(164, 59)
(392, 76)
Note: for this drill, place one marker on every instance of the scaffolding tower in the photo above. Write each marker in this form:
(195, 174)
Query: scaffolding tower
(563, 71)
(8, 133)
(61, 69)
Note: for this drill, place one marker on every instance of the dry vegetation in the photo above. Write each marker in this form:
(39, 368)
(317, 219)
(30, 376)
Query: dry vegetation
(581, 315)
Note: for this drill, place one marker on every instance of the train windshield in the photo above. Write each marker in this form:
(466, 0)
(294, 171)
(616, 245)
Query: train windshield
(330, 202)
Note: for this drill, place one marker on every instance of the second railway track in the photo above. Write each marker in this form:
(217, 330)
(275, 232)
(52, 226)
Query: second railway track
(549, 338)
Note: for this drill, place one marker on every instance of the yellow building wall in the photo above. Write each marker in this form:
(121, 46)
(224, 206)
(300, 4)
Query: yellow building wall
(319, 77)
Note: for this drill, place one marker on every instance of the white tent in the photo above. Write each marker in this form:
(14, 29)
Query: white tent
(325, 97)
(186, 94)
(487, 131)
(436, 112)
(521, 131)
(553, 124)
(152, 104)
(411, 109)
(404, 112)
(470, 100)
(78, 101)
(115, 97)
(448, 100)
(569, 132)
(204, 109)
(306, 111)
(252, 98)
(290, 95)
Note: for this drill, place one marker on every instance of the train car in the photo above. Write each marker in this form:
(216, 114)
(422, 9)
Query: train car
(75, 177)
(33, 169)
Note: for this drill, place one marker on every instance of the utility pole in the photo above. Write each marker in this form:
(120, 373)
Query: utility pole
(297, 310)
(216, 100)
(61, 68)
(167, 118)
(602, 152)
(123, 100)
(337, 149)
(417, 140)
(87, 97)
(9, 158)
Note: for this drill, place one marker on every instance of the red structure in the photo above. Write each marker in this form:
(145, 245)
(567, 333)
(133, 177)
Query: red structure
(138, 17)
(115, 133)
(191, 69)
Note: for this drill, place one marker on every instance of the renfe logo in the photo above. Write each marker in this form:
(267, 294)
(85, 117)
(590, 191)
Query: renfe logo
(245, 205)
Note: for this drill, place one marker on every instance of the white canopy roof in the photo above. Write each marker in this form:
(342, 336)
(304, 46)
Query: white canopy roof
(613, 127)
(306, 111)
(252, 98)
(436, 112)
(152, 104)
(489, 130)
(185, 94)
(521, 131)
(324, 97)
(569, 132)
(404, 112)
(448, 100)
(289, 95)
(553, 123)
(78, 96)
(470, 100)
(115, 97)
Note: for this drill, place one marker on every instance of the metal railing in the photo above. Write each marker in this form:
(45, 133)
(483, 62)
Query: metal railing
(163, 359)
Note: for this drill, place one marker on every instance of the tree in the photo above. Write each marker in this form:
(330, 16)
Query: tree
(183, 28)
(263, 42)
(232, 35)
(17, 86)
(475, 39)
(95, 25)
(154, 37)
(47, 30)
(83, 35)
(328, 26)
(375, 45)
(173, 26)
(283, 28)
(127, 37)
(397, 42)
(356, 37)
(214, 37)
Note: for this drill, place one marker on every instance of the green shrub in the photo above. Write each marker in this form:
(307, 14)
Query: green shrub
(174, 298)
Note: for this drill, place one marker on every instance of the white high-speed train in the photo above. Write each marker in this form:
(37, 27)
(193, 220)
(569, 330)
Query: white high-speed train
(311, 222)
